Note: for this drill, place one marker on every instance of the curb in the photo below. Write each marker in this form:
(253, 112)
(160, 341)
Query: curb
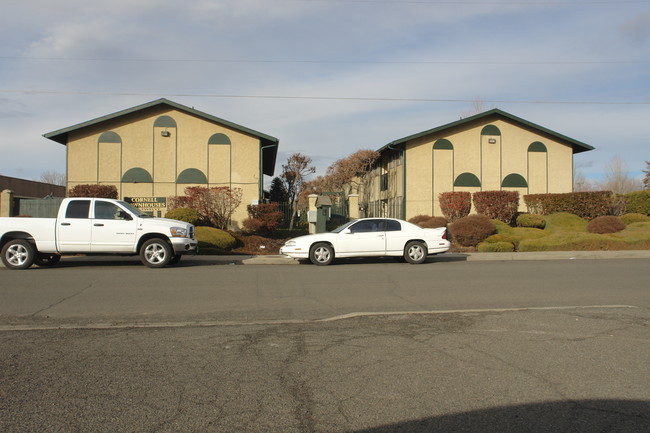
(478, 257)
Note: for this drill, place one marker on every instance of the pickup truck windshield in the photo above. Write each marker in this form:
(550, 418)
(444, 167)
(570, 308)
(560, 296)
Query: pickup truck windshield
(134, 210)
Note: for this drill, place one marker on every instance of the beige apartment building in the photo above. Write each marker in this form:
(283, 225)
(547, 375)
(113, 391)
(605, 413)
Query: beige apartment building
(153, 151)
(490, 151)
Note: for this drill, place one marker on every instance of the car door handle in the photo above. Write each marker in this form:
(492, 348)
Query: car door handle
(65, 224)
(98, 225)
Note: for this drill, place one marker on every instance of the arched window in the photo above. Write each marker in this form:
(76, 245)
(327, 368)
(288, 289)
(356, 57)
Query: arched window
(443, 144)
(219, 139)
(490, 130)
(137, 175)
(467, 179)
(164, 122)
(514, 180)
(192, 175)
(110, 137)
(537, 147)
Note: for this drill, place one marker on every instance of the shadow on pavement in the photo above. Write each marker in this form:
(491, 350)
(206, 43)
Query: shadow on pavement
(108, 261)
(577, 416)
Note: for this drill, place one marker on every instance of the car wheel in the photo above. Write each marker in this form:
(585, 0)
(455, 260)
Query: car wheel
(415, 252)
(45, 260)
(18, 254)
(156, 253)
(321, 254)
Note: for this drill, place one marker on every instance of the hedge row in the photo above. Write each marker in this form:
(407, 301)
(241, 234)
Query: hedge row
(455, 204)
(93, 190)
(499, 205)
(587, 205)
(638, 202)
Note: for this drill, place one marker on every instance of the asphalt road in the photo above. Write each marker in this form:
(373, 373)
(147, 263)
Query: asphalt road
(377, 346)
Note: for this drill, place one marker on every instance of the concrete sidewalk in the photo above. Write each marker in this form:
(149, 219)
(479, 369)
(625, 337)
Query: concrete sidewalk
(449, 257)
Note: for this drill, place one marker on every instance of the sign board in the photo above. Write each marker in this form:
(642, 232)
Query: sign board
(147, 203)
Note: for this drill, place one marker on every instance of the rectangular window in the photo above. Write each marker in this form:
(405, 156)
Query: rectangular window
(384, 182)
(106, 210)
(77, 209)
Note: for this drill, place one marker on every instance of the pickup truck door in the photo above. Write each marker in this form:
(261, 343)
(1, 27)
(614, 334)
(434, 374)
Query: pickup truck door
(113, 229)
(73, 231)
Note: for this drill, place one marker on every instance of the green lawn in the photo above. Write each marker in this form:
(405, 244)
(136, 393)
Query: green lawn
(566, 232)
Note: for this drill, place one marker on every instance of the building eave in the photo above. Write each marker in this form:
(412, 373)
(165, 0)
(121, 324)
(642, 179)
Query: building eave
(576, 145)
(62, 135)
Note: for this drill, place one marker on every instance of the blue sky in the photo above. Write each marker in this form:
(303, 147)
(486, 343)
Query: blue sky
(329, 77)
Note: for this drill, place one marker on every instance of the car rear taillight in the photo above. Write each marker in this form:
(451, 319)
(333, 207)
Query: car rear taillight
(444, 234)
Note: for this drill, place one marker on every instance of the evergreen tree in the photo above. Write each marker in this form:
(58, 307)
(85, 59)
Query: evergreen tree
(278, 192)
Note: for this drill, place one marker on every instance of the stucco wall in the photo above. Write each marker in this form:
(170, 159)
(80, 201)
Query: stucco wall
(435, 162)
(164, 153)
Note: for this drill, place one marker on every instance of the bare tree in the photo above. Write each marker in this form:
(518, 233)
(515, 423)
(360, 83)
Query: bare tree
(646, 179)
(350, 174)
(580, 183)
(617, 178)
(294, 174)
(52, 177)
(478, 107)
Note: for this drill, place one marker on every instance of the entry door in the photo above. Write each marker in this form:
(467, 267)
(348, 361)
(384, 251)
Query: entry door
(113, 229)
(73, 229)
(366, 237)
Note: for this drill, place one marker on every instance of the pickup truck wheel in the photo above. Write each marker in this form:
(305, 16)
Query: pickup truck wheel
(44, 259)
(18, 254)
(415, 252)
(156, 253)
(321, 254)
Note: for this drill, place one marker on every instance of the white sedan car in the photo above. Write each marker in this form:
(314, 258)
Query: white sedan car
(369, 237)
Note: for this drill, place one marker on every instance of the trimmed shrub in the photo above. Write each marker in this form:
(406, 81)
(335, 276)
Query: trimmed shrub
(605, 224)
(496, 247)
(514, 235)
(252, 225)
(264, 218)
(531, 221)
(638, 202)
(213, 240)
(588, 205)
(455, 204)
(498, 205)
(418, 219)
(94, 190)
(428, 222)
(471, 230)
(630, 218)
(183, 214)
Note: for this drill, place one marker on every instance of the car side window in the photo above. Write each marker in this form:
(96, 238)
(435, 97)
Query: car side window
(107, 211)
(393, 226)
(366, 226)
(77, 209)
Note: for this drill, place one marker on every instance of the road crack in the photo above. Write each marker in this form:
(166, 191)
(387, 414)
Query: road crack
(61, 301)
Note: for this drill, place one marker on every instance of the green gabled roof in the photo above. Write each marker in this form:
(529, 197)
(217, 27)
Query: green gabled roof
(577, 146)
(61, 135)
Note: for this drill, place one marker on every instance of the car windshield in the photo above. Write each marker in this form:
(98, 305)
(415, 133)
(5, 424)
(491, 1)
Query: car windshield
(134, 210)
(343, 227)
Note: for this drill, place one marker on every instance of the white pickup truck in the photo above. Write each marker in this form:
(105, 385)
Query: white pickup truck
(94, 226)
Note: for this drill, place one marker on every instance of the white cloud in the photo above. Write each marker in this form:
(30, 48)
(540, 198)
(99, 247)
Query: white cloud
(337, 49)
